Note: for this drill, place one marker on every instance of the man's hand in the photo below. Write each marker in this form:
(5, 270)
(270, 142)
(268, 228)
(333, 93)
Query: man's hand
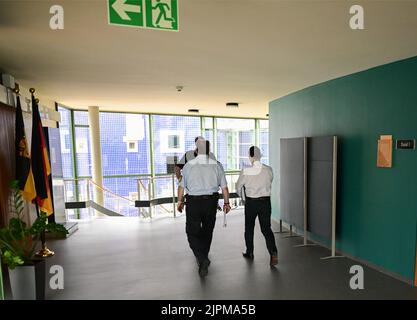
(226, 208)
(180, 206)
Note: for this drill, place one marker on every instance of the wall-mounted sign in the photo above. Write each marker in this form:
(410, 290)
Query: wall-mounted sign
(406, 144)
(384, 155)
(150, 14)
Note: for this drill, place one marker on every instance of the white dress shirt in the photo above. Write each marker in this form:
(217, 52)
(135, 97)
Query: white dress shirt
(203, 176)
(256, 180)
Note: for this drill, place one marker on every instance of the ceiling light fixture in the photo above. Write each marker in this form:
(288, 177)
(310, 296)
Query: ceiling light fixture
(232, 105)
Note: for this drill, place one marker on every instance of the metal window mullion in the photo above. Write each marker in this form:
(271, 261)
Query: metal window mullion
(74, 161)
(151, 152)
(257, 133)
(214, 137)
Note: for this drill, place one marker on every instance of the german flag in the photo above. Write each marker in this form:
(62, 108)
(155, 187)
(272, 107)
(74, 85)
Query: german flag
(23, 164)
(41, 167)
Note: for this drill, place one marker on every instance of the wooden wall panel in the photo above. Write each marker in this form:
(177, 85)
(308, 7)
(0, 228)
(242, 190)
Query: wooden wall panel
(7, 157)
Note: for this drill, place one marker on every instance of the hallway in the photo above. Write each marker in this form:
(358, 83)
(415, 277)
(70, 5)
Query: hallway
(121, 258)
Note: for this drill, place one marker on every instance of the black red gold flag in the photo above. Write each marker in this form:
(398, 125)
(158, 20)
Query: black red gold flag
(23, 162)
(41, 167)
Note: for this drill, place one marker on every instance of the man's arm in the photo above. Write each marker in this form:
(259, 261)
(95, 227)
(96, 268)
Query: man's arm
(180, 164)
(225, 189)
(240, 183)
(181, 186)
(180, 205)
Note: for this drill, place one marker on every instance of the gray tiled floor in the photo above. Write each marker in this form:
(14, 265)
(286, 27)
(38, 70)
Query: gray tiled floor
(125, 259)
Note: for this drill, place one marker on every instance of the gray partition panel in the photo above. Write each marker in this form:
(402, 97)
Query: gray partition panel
(320, 186)
(292, 181)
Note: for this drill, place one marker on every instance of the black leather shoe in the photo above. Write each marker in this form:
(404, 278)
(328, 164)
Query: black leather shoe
(203, 269)
(274, 260)
(248, 255)
(198, 262)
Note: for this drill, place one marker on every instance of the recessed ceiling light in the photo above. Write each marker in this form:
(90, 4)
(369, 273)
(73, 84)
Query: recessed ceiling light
(232, 104)
(194, 110)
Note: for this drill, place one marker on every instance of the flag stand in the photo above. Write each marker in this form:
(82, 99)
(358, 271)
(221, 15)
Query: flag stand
(44, 252)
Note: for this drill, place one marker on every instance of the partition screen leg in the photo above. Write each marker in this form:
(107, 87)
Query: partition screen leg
(280, 228)
(292, 235)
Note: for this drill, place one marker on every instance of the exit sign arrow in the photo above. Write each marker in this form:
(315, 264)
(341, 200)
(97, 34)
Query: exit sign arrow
(121, 8)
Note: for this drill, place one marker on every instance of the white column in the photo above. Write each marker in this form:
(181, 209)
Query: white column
(96, 168)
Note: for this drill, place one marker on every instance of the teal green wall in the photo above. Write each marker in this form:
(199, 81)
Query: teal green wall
(377, 208)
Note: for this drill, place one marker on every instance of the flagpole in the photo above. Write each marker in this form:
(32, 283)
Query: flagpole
(1, 283)
(44, 252)
(42, 193)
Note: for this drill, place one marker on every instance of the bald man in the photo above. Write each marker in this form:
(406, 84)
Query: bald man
(254, 184)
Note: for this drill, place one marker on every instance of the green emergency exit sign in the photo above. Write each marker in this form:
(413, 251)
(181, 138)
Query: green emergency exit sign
(150, 14)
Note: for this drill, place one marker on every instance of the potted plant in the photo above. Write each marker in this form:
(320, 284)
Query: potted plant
(18, 243)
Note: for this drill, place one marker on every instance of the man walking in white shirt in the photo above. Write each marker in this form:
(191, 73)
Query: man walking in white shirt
(254, 184)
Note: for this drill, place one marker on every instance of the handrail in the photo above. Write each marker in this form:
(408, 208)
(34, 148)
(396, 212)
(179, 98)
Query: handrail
(143, 186)
(152, 200)
(111, 192)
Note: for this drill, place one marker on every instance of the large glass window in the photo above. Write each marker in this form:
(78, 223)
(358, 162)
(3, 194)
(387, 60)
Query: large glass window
(83, 153)
(172, 137)
(81, 118)
(264, 140)
(65, 128)
(82, 144)
(208, 131)
(234, 137)
(126, 144)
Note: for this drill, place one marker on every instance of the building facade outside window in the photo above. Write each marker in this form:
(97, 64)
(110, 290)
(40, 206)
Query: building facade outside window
(172, 137)
(125, 151)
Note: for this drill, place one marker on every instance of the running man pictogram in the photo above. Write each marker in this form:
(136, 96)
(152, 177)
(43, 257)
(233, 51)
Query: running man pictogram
(163, 8)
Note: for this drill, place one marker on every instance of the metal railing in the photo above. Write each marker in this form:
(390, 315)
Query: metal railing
(160, 192)
(165, 186)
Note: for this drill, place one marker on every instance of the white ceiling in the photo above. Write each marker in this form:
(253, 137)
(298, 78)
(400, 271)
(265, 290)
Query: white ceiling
(231, 50)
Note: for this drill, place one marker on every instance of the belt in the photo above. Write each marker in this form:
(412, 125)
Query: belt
(259, 199)
(204, 196)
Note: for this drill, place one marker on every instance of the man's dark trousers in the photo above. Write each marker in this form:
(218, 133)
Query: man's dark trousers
(200, 220)
(261, 208)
